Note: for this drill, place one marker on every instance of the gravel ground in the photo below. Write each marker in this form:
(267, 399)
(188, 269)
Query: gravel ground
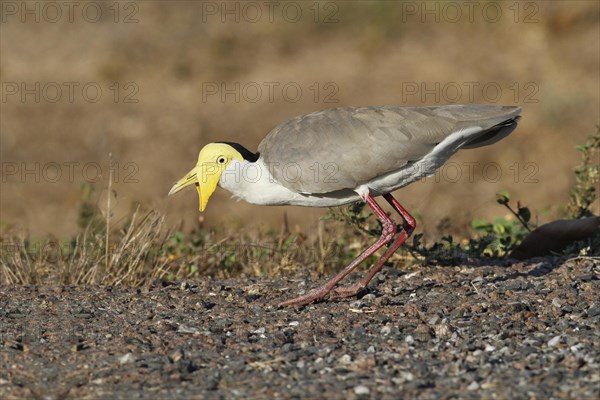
(526, 330)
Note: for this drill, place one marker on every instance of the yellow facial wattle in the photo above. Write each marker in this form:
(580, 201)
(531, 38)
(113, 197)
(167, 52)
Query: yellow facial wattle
(212, 161)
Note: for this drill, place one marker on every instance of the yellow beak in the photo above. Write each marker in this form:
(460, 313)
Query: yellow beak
(206, 179)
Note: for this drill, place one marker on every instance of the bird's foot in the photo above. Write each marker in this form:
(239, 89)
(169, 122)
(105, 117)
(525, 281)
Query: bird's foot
(311, 297)
(348, 291)
(320, 293)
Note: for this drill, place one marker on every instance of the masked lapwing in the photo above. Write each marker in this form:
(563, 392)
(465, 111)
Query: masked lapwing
(343, 155)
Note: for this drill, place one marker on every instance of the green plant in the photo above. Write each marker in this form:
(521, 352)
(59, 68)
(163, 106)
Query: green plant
(89, 213)
(583, 195)
(504, 234)
(493, 240)
(357, 216)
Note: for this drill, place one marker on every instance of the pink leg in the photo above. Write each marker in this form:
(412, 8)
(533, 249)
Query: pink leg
(389, 230)
(409, 223)
(408, 226)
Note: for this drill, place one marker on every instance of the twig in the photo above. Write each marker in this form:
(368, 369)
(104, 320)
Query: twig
(106, 244)
(521, 220)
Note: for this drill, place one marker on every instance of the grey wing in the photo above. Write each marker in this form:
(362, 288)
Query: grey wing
(342, 148)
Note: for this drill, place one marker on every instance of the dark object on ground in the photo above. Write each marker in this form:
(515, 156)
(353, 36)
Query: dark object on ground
(555, 236)
(526, 330)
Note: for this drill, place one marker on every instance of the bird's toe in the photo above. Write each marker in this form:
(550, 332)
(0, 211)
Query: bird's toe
(314, 296)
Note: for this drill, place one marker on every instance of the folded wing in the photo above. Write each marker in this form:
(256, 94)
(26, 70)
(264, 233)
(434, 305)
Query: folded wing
(342, 148)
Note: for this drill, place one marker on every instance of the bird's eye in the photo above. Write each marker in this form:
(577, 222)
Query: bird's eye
(221, 160)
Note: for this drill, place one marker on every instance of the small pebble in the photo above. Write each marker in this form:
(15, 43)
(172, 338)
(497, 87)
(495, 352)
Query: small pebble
(186, 329)
(368, 298)
(554, 341)
(407, 376)
(126, 359)
(361, 390)
(576, 348)
(594, 310)
(556, 302)
(345, 359)
(177, 355)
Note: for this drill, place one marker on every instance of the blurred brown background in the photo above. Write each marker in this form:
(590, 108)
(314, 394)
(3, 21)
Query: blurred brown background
(152, 82)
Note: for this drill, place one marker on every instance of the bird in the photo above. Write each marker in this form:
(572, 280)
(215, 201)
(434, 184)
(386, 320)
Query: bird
(343, 155)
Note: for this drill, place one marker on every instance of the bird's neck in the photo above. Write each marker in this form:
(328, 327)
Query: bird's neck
(252, 182)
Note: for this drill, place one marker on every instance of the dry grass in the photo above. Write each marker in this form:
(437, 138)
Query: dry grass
(139, 249)
(144, 250)
(87, 260)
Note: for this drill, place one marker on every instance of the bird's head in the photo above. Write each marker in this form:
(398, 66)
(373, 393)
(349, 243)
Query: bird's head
(212, 161)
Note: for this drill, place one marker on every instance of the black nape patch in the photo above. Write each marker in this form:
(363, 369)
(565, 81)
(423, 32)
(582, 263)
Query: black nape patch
(247, 154)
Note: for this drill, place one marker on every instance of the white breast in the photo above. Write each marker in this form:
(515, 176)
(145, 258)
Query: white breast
(252, 182)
